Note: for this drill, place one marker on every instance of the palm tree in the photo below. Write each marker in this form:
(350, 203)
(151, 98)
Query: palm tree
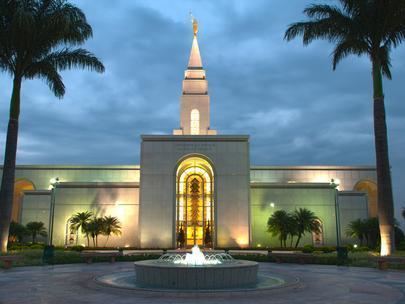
(17, 232)
(306, 221)
(111, 225)
(372, 232)
(279, 223)
(357, 229)
(80, 221)
(37, 39)
(95, 227)
(36, 228)
(371, 28)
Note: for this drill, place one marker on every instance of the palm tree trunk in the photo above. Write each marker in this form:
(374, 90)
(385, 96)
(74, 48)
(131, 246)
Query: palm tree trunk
(384, 185)
(105, 244)
(88, 240)
(8, 179)
(298, 240)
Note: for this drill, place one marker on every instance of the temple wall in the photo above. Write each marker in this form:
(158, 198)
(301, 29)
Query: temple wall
(41, 175)
(345, 177)
(36, 208)
(352, 206)
(103, 199)
(160, 156)
(266, 199)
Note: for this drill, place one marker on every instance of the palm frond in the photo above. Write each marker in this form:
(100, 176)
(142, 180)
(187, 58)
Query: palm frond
(348, 47)
(67, 59)
(49, 73)
(325, 22)
(385, 61)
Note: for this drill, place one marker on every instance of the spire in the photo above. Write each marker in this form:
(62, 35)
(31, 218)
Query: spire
(195, 57)
(195, 101)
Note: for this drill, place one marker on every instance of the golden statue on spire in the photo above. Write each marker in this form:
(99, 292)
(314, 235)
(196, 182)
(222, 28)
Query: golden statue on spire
(195, 24)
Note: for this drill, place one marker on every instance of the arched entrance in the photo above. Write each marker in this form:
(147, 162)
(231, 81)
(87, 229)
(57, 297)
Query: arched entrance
(20, 186)
(195, 203)
(370, 188)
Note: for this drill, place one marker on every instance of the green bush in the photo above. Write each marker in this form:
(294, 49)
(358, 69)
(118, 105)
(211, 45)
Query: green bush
(17, 247)
(78, 248)
(327, 249)
(308, 249)
(37, 246)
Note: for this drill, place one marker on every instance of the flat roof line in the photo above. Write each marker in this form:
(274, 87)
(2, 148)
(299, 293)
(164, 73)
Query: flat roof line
(314, 167)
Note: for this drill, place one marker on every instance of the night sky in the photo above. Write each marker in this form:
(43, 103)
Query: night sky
(286, 96)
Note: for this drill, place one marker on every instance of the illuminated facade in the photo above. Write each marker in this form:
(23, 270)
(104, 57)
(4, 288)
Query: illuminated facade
(194, 187)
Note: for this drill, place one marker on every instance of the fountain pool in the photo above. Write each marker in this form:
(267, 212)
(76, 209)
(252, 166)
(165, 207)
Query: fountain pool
(195, 271)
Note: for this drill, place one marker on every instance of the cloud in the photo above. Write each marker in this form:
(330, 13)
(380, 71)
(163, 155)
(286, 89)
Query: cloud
(286, 96)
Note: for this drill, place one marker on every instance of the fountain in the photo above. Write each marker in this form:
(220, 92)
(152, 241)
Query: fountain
(196, 271)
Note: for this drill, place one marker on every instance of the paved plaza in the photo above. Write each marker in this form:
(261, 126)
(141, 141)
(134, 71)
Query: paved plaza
(317, 284)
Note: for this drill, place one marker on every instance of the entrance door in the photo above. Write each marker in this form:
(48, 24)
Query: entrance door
(194, 206)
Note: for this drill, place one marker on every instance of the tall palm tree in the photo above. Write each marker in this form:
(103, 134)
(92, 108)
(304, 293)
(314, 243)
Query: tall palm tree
(80, 221)
(371, 28)
(306, 221)
(36, 228)
(37, 40)
(111, 225)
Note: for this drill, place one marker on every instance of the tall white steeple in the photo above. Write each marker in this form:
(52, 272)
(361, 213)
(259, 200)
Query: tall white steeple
(195, 101)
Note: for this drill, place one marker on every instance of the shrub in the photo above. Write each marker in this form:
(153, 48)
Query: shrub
(78, 248)
(327, 249)
(308, 249)
(37, 246)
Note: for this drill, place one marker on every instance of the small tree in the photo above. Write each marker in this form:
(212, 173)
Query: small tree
(357, 229)
(305, 221)
(279, 224)
(94, 228)
(80, 221)
(17, 232)
(111, 225)
(36, 228)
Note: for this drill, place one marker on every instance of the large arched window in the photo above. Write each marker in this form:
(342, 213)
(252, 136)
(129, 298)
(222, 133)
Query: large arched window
(195, 122)
(21, 185)
(194, 203)
(370, 188)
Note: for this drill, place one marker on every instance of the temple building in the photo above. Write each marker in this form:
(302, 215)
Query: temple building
(195, 182)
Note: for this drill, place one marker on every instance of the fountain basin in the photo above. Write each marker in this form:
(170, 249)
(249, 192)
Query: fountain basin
(154, 274)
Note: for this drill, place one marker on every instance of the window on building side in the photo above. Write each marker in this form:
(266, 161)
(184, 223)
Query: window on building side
(195, 122)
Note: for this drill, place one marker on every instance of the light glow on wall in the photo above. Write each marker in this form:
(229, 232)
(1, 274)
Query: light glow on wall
(242, 241)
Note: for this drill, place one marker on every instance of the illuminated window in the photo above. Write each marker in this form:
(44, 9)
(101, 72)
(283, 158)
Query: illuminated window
(194, 203)
(195, 122)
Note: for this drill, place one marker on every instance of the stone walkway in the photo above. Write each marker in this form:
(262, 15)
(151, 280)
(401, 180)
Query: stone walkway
(318, 284)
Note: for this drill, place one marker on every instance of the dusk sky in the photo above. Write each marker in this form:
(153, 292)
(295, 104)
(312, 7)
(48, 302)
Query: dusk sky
(286, 96)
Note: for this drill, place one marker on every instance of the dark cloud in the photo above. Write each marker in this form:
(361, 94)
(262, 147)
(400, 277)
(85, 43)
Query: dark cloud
(296, 109)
